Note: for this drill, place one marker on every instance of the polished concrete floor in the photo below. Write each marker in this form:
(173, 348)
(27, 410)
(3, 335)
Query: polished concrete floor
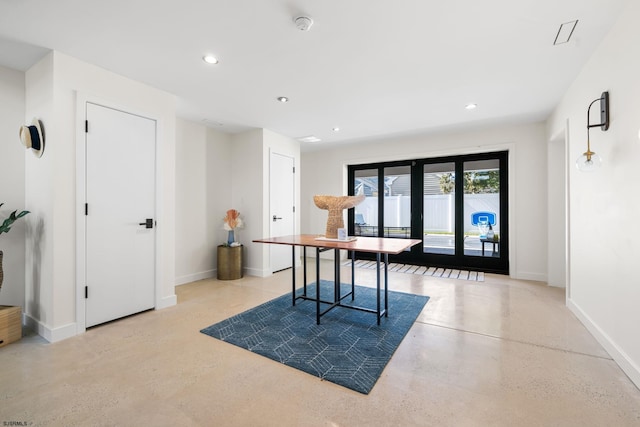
(496, 353)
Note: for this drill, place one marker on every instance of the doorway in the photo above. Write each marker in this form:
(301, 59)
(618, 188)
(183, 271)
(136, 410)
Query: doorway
(119, 214)
(456, 205)
(281, 207)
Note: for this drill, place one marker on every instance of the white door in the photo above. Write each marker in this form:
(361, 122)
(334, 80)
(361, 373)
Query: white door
(282, 211)
(120, 197)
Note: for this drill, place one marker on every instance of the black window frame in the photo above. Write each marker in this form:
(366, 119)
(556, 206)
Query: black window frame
(416, 256)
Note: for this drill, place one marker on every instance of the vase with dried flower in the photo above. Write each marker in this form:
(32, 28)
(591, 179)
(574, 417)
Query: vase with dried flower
(232, 221)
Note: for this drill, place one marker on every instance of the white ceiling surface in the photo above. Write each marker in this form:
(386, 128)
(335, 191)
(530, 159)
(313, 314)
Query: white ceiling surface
(371, 67)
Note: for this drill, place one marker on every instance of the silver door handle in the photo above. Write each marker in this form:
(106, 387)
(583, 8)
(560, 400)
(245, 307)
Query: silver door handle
(275, 218)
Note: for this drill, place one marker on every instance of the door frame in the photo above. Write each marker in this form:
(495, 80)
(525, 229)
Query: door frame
(502, 265)
(81, 186)
(294, 213)
(460, 259)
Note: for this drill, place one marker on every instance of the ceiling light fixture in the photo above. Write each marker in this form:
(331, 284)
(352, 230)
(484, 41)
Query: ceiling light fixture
(589, 160)
(471, 106)
(336, 129)
(283, 99)
(210, 59)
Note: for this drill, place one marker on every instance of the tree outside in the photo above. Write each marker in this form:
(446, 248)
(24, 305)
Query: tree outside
(475, 182)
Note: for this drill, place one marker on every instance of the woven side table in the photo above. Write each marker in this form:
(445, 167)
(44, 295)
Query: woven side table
(10, 324)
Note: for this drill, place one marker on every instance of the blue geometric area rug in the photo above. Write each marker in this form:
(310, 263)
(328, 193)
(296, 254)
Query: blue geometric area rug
(347, 348)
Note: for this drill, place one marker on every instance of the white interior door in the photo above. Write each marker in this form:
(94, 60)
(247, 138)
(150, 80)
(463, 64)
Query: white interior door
(120, 196)
(282, 207)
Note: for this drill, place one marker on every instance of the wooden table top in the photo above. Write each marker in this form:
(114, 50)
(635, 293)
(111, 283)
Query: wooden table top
(362, 244)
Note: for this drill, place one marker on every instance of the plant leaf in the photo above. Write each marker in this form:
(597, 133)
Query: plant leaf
(8, 222)
(21, 214)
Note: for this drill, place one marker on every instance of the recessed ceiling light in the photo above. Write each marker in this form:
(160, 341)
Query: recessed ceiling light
(470, 106)
(283, 99)
(210, 59)
(336, 129)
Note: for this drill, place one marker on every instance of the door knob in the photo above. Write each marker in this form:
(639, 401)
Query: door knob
(148, 223)
(275, 218)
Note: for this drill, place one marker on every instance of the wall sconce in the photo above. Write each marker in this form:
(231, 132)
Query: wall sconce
(590, 161)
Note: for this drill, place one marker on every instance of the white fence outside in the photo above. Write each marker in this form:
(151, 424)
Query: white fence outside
(439, 211)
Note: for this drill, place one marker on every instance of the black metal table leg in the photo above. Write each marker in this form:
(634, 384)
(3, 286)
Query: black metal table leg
(336, 274)
(386, 285)
(317, 286)
(293, 274)
(353, 275)
(304, 260)
(378, 287)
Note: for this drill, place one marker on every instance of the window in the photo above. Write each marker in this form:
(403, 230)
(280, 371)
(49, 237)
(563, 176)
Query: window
(456, 205)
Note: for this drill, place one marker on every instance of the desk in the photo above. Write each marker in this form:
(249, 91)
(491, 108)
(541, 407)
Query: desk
(494, 242)
(379, 246)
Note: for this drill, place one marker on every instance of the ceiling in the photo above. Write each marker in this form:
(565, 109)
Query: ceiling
(373, 68)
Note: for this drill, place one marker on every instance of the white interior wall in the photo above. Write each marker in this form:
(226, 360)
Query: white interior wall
(219, 191)
(203, 195)
(603, 205)
(52, 86)
(39, 196)
(247, 184)
(12, 182)
(193, 255)
(556, 196)
(324, 172)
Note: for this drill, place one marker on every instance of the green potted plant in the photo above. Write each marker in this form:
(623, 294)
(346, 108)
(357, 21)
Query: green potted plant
(4, 228)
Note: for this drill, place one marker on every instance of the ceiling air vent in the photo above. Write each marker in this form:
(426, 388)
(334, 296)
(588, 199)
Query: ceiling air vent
(309, 138)
(565, 32)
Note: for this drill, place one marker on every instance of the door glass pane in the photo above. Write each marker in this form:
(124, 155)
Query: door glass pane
(439, 208)
(482, 208)
(397, 202)
(366, 213)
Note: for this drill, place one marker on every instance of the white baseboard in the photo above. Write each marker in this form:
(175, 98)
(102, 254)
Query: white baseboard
(70, 330)
(194, 277)
(257, 272)
(265, 272)
(165, 302)
(524, 275)
(50, 334)
(619, 356)
(556, 285)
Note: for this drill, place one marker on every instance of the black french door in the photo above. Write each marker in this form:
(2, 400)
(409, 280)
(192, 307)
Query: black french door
(457, 206)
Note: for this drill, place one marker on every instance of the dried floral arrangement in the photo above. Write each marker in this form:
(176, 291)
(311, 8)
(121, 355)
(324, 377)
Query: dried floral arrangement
(232, 220)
